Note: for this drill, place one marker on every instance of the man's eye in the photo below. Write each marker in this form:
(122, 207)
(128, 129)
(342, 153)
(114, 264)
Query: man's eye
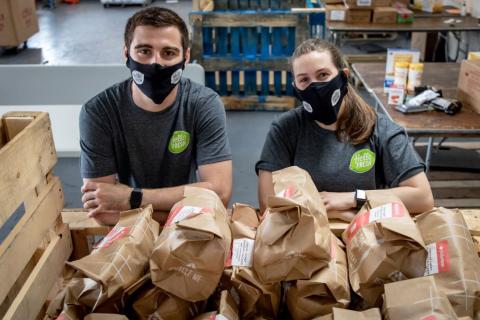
(170, 53)
(144, 51)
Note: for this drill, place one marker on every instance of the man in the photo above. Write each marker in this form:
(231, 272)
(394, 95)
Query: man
(143, 139)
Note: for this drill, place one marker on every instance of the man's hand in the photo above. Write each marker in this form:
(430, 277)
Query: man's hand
(105, 199)
(338, 201)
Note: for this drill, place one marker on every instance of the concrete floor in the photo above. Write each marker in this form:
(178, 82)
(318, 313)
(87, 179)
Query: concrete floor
(87, 33)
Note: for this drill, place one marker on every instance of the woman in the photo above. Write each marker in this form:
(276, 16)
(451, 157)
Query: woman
(339, 139)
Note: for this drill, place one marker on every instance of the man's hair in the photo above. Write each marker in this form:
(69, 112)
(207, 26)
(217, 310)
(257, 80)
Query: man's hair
(156, 17)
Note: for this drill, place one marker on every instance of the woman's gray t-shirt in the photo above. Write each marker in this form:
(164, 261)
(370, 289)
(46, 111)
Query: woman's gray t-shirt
(152, 149)
(383, 161)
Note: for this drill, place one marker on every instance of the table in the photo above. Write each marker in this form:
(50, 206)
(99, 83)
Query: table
(429, 124)
(421, 23)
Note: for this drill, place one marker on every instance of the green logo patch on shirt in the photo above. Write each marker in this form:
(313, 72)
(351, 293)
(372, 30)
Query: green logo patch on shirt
(179, 142)
(362, 161)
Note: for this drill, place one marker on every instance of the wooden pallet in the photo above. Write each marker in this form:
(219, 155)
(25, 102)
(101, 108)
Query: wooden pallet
(208, 5)
(246, 54)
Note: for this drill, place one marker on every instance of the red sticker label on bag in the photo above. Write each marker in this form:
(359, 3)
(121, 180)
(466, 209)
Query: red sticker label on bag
(430, 318)
(287, 193)
(114, 234)
(438, 258)
(184, 212)
(390, 210)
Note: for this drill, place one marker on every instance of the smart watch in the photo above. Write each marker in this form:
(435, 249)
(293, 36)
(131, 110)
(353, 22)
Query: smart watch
(360, 198)
(136, 198)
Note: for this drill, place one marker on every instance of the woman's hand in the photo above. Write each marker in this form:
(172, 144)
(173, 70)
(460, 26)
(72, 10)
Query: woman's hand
(338, 201)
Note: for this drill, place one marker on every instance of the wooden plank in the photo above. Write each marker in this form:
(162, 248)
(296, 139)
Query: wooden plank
(455, 189)
(3, 138)
(452, 175)
(222, 44)
(257, 63)
(232, 19)
(458, 203)
(31, 298)
(269, 103)
(235, 51)
(77, 219)
(25, 160)
(21, 243)
(472, 218)
(14, 125)
(221, 4)
(12, 294)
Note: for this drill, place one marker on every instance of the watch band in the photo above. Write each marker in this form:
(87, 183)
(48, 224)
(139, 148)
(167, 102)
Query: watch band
(360, 198)
(136, 197)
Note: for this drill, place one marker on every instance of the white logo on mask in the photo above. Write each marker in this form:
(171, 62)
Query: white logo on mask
(176, 76)
(307, 106)
(335, 97)
(137, 76)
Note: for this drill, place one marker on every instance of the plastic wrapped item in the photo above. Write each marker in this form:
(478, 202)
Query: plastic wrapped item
(450, 107)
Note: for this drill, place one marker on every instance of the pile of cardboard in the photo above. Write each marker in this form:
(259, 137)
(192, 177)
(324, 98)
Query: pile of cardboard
(368, 11)
(207, 263)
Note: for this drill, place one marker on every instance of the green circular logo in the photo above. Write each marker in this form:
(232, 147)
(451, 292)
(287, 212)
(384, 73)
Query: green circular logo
(362, 161)
(179, 142)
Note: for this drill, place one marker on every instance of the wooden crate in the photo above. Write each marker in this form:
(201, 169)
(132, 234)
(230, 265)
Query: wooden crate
(246, 55)
(247, 4)
(33, 253)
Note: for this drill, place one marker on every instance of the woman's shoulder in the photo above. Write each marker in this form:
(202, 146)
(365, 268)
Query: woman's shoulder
(290, 119)
(385, 125)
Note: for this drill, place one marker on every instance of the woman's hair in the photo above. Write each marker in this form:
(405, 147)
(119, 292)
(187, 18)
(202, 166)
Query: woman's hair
(356, 118)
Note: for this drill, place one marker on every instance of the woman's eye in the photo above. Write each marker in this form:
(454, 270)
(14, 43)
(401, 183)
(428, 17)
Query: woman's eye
(303, 80)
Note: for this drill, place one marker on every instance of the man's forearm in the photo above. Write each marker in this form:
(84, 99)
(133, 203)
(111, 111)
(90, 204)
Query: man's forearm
(163, 199)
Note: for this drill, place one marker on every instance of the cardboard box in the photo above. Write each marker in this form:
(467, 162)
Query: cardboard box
(469, 84)
(360, 4)
(359, 16)
(336, 12)
(384, 15)
(398, 55)
(383, 3)
(18, 21)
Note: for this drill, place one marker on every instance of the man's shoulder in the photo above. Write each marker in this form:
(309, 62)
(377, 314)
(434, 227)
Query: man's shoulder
(197, 92)
(108, 97)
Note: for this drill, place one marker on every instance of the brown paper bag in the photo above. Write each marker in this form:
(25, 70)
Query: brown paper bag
(227, 309)
(452, 259)
(191, 251)
(121, 258)
(253, 297)
(416, 299)
(80, 296)
(344, 314)
(328, 288)
(383, 245)
(105, 316)
(293, 240)
(154, 303)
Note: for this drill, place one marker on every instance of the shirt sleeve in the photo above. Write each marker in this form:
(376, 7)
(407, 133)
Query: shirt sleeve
(279, 148)
(400, 160)
(211, 130)
(96, 143)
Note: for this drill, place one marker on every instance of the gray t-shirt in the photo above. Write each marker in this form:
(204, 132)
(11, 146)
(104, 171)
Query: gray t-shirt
(152, 149)
(383, 161)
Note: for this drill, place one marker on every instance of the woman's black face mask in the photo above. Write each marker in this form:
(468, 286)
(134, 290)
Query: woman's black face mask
(322, 100)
